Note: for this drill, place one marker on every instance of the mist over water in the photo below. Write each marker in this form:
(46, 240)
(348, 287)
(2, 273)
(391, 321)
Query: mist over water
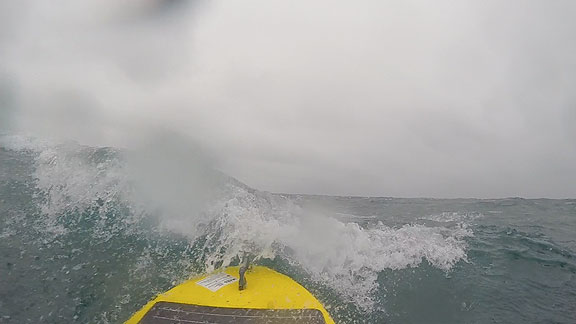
(78, 195)
(410, 99)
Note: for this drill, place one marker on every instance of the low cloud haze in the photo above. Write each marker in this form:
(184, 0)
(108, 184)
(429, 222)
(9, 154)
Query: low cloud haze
(378, 98)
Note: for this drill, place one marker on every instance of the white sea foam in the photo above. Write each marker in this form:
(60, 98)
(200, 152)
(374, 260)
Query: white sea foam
(458, 217)
(343, 255)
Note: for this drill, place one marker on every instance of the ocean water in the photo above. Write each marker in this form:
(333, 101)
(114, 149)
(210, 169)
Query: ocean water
(88, 235)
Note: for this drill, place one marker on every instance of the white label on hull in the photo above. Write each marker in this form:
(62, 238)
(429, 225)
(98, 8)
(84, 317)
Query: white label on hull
(217, 281)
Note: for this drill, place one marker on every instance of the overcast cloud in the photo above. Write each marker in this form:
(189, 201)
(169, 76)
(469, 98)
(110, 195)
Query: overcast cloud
(376, 97)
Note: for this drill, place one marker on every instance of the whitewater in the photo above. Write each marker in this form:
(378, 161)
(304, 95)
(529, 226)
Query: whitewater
(90, 234)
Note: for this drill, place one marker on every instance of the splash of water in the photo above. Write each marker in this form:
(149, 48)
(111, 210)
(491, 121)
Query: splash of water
(234, 219)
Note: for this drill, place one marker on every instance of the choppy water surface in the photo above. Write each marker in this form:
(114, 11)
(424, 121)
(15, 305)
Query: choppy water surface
(88, 235)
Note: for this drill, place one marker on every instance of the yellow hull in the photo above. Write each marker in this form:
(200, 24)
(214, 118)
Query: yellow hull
(266, 290)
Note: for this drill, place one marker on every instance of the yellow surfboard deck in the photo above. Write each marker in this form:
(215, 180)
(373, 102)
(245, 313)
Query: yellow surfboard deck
(266, 291)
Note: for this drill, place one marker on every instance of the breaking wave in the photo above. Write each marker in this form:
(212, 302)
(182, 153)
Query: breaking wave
(107, 194)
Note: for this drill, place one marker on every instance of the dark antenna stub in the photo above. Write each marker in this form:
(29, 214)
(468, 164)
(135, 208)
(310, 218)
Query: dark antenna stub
(242, 272)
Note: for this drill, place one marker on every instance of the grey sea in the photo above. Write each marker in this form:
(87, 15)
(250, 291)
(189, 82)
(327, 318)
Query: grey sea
(89, 235)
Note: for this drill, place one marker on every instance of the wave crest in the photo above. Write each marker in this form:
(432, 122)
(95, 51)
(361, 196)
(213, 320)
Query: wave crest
(235, 219)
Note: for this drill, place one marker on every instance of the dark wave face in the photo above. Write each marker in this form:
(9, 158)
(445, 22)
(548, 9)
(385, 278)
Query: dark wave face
(88, 235)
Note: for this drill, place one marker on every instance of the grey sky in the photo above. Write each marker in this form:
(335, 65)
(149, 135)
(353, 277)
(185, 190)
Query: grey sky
(383, 98)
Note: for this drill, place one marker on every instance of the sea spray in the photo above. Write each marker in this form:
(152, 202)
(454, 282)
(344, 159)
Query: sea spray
(225, 221)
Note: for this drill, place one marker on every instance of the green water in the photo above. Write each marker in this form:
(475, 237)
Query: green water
(74, 248)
